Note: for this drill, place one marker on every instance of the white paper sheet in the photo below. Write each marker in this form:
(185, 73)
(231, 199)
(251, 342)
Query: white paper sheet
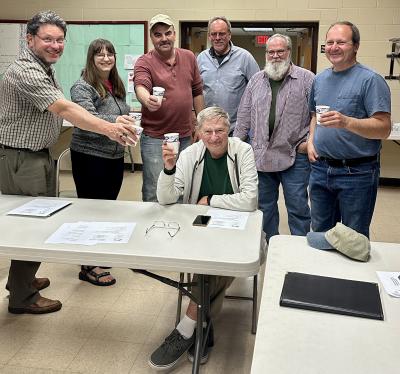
(40, 208)
(90, 233)
(131, 85)
(395, 133)
(227, 219)
(390, 281)
(130, 61)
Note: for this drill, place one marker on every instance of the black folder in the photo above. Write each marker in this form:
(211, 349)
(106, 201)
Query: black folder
(332, 295)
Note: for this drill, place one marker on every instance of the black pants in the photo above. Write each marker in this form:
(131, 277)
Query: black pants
(97, 177)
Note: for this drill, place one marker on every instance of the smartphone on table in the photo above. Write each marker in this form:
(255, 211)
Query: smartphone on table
(201, 220)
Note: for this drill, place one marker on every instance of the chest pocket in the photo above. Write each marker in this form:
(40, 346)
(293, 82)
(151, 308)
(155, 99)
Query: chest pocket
(296, 101)
(350, 105)
(232, 79)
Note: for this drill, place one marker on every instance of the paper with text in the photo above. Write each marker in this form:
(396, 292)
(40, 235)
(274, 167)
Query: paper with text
(390, 281)
(40, 208)
(227, 219)
(90, 233)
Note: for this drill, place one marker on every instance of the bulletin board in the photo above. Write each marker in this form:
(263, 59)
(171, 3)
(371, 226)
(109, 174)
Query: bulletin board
(128, 38)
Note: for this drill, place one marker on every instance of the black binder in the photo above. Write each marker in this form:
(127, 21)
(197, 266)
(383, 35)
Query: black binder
(332, 295)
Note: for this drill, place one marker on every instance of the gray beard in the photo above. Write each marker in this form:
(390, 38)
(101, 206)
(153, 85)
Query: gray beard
(277, 70)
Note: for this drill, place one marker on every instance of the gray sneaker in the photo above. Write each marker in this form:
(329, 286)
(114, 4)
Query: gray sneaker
(167, 355)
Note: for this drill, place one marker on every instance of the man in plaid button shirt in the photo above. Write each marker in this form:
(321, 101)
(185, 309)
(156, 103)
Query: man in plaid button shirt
(32, 107)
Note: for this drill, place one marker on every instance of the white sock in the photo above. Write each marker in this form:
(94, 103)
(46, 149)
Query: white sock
(186, 327)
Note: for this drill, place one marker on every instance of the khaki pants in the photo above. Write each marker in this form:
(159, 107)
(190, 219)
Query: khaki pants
(25, 173)
(217, 286)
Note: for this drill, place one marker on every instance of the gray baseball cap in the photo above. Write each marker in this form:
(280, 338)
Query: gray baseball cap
(344, 239)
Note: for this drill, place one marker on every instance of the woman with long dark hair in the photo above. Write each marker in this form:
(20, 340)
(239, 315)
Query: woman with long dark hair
(98, 162)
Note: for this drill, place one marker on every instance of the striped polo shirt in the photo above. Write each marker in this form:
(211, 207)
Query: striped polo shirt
(27, 89)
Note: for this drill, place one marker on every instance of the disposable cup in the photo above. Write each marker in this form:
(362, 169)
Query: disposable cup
(172, 139)
(136, 116)
(139, 130)
(159, 93)
(321, 109)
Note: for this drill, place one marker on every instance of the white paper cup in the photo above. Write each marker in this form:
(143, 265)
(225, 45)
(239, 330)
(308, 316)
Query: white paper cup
(321, 109)
(139, 130)
(159, 92)
(172, 139)
(137, 117)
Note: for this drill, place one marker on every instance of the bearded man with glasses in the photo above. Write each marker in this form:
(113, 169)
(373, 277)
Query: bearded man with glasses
(274, 115)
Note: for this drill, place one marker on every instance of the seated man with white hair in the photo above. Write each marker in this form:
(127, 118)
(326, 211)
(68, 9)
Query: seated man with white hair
(217, 171)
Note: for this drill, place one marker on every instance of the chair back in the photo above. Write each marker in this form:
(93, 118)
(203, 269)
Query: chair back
(64, 164)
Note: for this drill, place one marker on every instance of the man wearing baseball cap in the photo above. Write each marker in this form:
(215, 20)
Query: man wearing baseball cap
(175, 70)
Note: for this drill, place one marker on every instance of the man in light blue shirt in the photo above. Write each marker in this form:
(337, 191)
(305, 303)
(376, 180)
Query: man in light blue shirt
(344, 147)
(225, 69)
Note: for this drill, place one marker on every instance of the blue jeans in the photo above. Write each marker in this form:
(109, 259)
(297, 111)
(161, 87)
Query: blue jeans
(294, 183)
(345, 194)
(150, 149)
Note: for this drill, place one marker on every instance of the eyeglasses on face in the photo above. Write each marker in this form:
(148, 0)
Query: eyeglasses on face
(217, 132)
(48, 40)
(220, 35)
(104, 55)
(339, 43)
(172, 227)
(279, 52)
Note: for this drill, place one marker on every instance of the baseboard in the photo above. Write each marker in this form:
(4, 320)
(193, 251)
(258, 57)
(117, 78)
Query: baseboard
(392, 182)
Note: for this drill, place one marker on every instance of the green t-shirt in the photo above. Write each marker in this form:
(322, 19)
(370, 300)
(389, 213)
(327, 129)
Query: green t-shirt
(215, 179)
(275, 85)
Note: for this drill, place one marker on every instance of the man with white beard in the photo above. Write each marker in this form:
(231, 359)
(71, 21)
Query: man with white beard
(274, 116)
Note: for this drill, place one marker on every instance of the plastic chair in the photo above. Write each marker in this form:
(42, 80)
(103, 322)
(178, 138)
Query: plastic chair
(253, 298)
(64, 165)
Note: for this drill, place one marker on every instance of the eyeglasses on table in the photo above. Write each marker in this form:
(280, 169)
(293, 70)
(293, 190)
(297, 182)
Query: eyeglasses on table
(172, 227)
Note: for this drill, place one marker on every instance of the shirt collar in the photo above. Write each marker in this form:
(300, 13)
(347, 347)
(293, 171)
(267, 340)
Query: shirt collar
(213, 54)
(161, 58)
(28, 54)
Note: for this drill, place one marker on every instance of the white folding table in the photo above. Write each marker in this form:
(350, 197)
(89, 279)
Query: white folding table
(201, 250)
(301, 341)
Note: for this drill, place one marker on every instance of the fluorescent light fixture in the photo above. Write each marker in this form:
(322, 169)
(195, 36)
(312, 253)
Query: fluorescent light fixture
(258, 29)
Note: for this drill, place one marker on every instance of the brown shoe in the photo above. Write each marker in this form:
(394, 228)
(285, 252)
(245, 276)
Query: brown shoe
(41, 306)
(41, 283)
(38, 283)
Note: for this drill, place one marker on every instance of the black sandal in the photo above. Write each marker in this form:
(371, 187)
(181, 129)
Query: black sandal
(87, 273)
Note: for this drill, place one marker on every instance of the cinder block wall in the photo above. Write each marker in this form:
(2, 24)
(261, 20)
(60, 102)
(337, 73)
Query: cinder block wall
(378, 20)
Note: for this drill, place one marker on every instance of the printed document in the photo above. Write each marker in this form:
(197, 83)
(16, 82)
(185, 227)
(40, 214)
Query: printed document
(40, 208)
(227, 219)
(90, 233)
(390, 281)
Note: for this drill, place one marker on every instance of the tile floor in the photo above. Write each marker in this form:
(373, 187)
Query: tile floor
(114, 329)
